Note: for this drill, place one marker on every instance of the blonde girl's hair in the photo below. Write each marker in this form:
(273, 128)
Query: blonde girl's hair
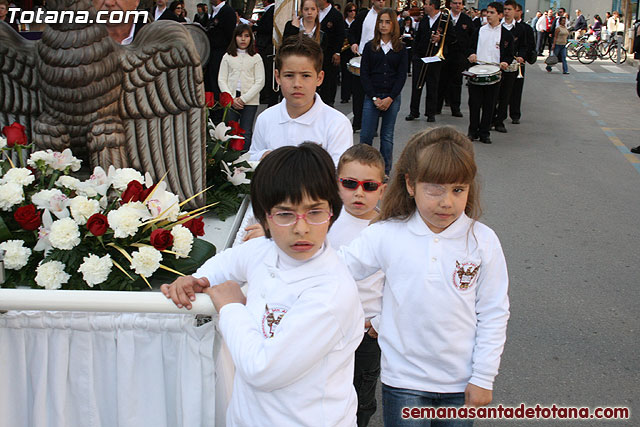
(396, 43)
(317, 34)
(440, 156)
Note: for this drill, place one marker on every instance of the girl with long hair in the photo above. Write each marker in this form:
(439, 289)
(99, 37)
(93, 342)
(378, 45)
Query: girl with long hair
(306, 21)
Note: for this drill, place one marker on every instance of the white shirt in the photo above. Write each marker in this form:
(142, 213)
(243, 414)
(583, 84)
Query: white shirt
(444, 304)
(368, 27)
(434, 19)
(346, 228)
(454, 19)
(386, 47)
(508, 26)
(217, 8)
(129, 38)
(322, 124)
(293, 343)
(323, 12)
(159, 13)
(489, 43)
(541, 25)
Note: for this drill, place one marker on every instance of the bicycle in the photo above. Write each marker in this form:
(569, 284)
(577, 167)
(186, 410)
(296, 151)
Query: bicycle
(573, 45)
(589, 52)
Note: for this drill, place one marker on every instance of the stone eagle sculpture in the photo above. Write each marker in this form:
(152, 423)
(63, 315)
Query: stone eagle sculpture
(138, 106)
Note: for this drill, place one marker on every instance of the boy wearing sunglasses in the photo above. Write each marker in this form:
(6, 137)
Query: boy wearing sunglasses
(293, 338)
(360, 184)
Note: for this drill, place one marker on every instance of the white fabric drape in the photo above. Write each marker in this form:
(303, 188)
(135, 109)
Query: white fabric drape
(71, 369)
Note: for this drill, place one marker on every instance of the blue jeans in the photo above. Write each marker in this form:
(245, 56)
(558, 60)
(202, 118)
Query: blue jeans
(561, 53)
(395, 399)
(245, 119)
(370, 116)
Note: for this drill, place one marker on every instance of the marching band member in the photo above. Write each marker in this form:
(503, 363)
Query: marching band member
(516, 94)
(427, 42)
(491, 43)
(455, 61)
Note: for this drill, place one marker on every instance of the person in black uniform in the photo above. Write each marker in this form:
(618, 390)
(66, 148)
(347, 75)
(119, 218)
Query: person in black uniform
(515, 111)
(509, 76)
(491, 43)
(264, 42)
(427, 42)
(456, 60)
(220, 32)
(332, 25)
(360, 33)
(346, 54)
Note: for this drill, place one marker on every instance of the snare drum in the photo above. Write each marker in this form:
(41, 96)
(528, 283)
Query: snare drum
(483, 75)
(354, 65)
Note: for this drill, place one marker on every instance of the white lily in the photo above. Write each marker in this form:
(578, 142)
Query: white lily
(238, 176)
(220, 132)
(43, 233)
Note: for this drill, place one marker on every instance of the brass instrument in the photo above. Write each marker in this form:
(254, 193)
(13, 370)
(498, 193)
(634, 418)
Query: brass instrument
(520, 76)
(439, 54)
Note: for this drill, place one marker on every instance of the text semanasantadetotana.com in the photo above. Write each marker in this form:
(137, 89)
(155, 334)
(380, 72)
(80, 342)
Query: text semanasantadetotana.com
(518, 412)
(76, 17)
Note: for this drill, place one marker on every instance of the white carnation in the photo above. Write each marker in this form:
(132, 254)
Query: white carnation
(146, 260)
(64, 234)
(3, 142)
(95, 269)
(40, 159)
(51, 275)
(22, 176)
(122, 177)
(15, 255)
(69, 182)
(10, 195)
(86, 189)
(82, 208)
(182, 241)
(126, 220)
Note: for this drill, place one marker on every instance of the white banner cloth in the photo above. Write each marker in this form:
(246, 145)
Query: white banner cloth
(76, 369)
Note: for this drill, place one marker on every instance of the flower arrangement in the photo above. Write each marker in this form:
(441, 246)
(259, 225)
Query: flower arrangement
(113, 231)
(229, 171)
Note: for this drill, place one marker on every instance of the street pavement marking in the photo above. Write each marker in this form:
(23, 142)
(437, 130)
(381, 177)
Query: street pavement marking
(632, 158)
(543, 66)
(574, 91)
(617, 70)
(601, 123)
(585, 104)
(593, 113)
(581, 68)
(616, 141)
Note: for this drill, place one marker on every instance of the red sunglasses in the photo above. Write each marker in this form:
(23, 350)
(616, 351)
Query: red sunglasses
(353, 184)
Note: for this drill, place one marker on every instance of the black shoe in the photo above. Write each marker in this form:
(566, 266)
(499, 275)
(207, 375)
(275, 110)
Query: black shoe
(515, 121)
(472, 136)
(344, 101)
(456, 113)
(636, 150)
(355, 129)
(485, 140)
(431, 118)
(410, 117)
(500, 128)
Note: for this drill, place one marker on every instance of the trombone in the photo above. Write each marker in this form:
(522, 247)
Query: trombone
(439, 54)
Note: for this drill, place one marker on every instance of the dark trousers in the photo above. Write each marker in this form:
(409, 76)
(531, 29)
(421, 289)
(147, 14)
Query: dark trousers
(245, 119)
(482, 98)
(345, 75)
(358, 101)
(541, 38)
(365, 378)
(504, 97)
(329, 86)
(550, 41)
(431, 82)
(268, 95)
(516, 97)
(450, 87)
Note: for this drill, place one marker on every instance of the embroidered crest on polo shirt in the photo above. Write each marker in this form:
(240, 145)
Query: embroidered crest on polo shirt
(465, 275)
(271, 319)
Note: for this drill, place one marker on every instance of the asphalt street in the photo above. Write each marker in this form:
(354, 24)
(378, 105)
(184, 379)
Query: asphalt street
(562, 191)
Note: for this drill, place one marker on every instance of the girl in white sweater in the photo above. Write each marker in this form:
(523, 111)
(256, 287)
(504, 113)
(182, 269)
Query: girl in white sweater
(242, 75)
(444, 305)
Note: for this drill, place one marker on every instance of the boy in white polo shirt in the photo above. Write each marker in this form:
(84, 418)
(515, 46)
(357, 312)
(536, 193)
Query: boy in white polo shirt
(293, 338)
(301, 116)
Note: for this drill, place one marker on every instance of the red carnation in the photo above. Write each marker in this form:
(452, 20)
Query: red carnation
(161, 239)
(132, 193)
(28, 217)
(97, 224)
(209, 100)
(237, 144)
(15, 134)
(226, 99)
(235, 128)
(195, 226)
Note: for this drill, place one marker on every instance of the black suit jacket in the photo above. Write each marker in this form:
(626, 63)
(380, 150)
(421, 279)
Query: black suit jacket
(264, 32)
(507, 48)
(530, 42)
(204, 20)
(581, 23)
(463, 30)
(220, 29)
(477, 22)
(422, 41)
(521, 43)
(355, 31)
(333, 28)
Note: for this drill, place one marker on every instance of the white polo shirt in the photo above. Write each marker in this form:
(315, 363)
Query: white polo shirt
(489, 43)
(293, 343)
(444, 304)
(322, 124)
(368, 28)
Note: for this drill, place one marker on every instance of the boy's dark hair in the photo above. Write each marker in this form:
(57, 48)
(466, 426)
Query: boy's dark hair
(365, 154)
(288, 174)
(233, 46)
(511, 3)
(300, 45)
(499, 7)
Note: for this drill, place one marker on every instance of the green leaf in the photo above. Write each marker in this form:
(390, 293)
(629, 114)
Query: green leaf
(5, 234)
